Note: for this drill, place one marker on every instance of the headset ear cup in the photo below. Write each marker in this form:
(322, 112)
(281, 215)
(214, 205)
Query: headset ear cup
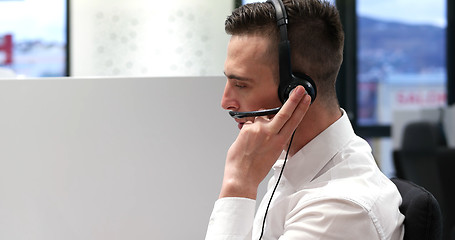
(306, 82)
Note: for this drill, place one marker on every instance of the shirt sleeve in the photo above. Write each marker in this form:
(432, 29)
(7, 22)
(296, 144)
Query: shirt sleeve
(231, 219)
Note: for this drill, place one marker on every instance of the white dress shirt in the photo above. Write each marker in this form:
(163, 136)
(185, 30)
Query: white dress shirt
(330, 189)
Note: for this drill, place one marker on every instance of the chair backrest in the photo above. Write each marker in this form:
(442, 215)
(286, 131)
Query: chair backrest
(423, 218)
(423, 137)
(417, 160)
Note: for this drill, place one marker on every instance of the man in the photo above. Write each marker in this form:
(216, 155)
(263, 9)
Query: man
(331, 187)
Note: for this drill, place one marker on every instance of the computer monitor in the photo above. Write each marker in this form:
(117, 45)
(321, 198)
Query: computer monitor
(111, 158)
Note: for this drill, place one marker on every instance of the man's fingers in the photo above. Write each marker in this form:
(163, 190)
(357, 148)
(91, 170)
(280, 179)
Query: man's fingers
(262, 119)
(296, 117)
(287, 110)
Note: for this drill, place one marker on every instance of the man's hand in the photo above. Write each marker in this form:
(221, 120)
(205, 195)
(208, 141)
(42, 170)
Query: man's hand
(258, 146)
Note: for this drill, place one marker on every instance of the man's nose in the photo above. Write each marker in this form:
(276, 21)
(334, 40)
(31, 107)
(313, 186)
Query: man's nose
(229, 101)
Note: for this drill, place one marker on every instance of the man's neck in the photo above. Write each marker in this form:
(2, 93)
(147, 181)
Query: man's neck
(314, 122)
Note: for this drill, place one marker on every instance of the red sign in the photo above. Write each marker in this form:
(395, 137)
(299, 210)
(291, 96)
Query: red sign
(6, 46)
(422, 97)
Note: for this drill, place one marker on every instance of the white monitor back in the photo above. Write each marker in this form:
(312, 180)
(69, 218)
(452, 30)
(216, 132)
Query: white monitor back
(449, 125)
(111, 158)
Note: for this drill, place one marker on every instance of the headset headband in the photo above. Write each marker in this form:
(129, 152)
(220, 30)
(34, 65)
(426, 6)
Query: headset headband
(284, 49)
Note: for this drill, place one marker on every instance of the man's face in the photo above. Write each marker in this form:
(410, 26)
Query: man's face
(250, 70)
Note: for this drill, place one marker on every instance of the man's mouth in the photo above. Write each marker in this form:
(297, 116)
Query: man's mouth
(240, 123)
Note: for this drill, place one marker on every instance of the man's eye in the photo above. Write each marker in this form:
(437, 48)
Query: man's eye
(240, 85)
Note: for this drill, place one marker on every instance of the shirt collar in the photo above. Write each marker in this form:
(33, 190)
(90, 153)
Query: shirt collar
(309, 160)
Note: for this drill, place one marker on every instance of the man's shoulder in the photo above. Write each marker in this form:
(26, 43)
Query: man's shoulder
(372, 193)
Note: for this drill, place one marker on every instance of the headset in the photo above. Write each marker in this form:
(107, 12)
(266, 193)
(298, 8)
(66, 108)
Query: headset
(288, 79)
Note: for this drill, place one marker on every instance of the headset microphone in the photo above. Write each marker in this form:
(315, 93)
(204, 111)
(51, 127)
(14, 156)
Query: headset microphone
(265, 112)
(288, 79)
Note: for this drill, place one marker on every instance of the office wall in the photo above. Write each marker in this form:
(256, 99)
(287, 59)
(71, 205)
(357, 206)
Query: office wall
(148, 37)
(111, 158)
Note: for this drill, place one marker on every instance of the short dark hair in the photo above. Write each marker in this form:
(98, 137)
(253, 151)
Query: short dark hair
(315, 33)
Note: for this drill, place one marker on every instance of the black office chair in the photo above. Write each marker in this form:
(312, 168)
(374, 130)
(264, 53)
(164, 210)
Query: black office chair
(426, 160)
(423, 218)
(417, 159)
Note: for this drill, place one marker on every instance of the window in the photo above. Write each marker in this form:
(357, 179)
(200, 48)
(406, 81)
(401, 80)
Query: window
(33, 38)
(400, 57)
(395, 59)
